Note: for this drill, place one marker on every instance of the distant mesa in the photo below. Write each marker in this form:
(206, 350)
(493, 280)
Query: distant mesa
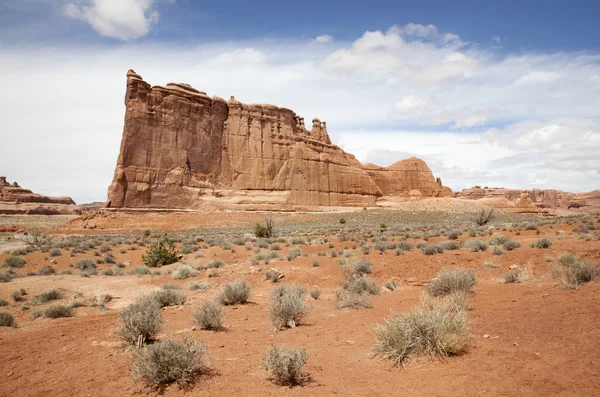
(534, 200)
(14, 200)
(183, 149)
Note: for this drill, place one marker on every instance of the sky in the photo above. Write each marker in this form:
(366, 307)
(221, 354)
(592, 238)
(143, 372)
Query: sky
(495, 93)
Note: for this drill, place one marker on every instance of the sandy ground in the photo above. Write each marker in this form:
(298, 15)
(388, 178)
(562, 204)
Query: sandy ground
(543, 339)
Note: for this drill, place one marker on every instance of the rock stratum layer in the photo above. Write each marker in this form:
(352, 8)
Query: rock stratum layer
(182, 149)
(535, 200)
(14, 200)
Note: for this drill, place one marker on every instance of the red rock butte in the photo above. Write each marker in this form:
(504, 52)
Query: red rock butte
(182, 149)
(15, 200)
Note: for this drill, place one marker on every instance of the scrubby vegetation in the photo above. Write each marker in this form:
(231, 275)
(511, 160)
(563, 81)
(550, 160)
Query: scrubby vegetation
(140, 321)
(162, 252)
(448, 281)
(209, 314)
(285, 365)
(287, 306)
(169, 361)
(235, 292)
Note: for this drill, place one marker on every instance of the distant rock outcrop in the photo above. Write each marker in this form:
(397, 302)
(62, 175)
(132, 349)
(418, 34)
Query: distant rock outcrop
(16, 200)
(406, 177)
(535, 200)
(182, 149)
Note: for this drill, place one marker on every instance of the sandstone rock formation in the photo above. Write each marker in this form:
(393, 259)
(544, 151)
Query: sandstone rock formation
(535, 200)
(16, 200)
(409, 178)
(182, 149)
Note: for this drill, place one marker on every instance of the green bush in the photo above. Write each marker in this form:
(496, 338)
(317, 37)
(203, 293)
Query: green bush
(169, 361)
(5, 277)
(54, 311)
(7, 320)
(161, 253)
(140, 321)
(14, 262)
(235, 292)
(476, 245)
(448, 281)
(49, 296)
(285, 365)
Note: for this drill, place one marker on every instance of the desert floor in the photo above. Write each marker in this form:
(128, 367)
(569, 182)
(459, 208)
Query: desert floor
(535, 338)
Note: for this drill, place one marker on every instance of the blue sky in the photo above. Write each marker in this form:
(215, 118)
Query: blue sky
(488, 93)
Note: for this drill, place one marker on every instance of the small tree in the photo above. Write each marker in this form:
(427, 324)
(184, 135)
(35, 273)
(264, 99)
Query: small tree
(162, 252)
(484, 216)
(265, 230)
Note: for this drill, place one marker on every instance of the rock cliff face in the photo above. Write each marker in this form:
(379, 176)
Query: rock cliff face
(183, 149)
(16, 200)
(412, 174)
(534, 200)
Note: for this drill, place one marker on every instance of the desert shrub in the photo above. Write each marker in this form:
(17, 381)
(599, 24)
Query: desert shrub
(490, 265)
(567, 259)
(214, 264)
(351, 300)
(209, 314)
(7, 320)
(456, 301)
(49, 296)
(169, 361)
(198, 286)
(285, 365)
(293, 254)
(476, 245)
(162, 252)
(352, 268)
(431, 330)
(54, 311)
(46, 271)
(391, 285)
(169, 297)
(14, 262)
(142, 270)
(454, 234)
(513, 276)
(261, 231)
(450, 245)
(5, 277)
(498, 250)
(484, 216)
(577, 274)
(183, 272)
(235, 292)
(405, 245)
(3, 302)
(432, 249)
(361, 285)
(287, 306)
(448, 281)
(85, 265)
(505, 242)
(315, 293)
(542, 243)
(55, 252)
(342, 221)
(272, 275)
(140, 321)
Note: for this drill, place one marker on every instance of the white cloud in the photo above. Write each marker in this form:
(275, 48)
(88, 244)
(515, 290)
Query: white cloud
(387, 93)
(323, 39)
(119, 19)
(538, 77)
(411, 103)
(496, 39)
(426, 59)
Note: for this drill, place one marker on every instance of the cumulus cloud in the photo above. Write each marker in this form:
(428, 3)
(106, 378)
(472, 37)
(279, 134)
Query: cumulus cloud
(323, 39)
(387, 90)
(415, 53)
(122, 19)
